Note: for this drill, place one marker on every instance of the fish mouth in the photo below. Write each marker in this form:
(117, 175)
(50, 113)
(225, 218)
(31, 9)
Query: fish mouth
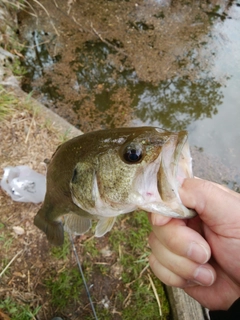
(175, 166)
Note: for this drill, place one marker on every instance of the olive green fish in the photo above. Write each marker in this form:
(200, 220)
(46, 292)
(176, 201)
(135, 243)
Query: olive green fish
(102, 174)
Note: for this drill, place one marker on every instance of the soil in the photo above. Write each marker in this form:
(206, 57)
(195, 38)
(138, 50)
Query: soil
(24, 141)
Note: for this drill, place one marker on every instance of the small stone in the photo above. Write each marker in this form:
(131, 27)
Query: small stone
(18, 230)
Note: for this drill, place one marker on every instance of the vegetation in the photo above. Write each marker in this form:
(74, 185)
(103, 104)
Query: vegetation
(64, 287)
(141, 293)
(18, 311)
(7, 102)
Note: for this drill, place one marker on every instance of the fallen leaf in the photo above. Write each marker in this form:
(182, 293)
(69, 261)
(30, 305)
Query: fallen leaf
(3, 316)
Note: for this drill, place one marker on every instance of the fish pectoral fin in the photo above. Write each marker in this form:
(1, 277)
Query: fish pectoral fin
(76, 224)
(53, 229)
(104, 225)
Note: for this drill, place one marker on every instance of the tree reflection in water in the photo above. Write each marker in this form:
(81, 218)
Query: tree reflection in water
(176, 103)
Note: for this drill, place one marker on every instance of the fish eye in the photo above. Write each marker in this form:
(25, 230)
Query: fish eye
(132, 154)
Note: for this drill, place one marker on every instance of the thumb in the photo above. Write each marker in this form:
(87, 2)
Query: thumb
(217, 206)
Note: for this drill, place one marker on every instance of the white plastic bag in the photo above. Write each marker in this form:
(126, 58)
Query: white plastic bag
(23, 184)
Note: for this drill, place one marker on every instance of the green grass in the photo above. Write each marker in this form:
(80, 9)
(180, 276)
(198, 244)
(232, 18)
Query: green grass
(7, 103)
(130, 250)
(65, 136)
(142, 302)
(17, 68)
(65, 287)
(18, 311)
(90, 248)
(6, 238)
(63, 251)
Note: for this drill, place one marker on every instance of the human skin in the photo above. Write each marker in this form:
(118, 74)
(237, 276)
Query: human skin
(201, 255)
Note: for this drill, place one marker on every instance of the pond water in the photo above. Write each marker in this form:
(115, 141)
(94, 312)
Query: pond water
(170, 64)
(220, 134)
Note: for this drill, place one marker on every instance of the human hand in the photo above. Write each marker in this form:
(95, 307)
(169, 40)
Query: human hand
(201, 255)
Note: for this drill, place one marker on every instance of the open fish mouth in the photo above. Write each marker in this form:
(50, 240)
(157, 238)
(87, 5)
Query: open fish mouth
(175, 166)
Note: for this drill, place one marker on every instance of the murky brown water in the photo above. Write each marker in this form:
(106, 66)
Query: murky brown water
(174, 64)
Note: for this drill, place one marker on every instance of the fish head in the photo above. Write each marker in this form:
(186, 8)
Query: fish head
(133, 168)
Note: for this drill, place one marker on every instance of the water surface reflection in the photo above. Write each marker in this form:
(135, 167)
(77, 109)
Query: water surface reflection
(176, 103)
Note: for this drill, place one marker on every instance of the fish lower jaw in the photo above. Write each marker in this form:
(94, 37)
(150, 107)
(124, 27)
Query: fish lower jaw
(175, 167)
(184, 167)
(177, 211)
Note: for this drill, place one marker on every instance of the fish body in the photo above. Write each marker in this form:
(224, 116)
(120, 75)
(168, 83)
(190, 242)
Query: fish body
(102, 174)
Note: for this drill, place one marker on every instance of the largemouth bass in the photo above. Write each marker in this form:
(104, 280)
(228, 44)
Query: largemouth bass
(102, 174)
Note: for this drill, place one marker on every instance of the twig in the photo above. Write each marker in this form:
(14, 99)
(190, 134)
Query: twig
(55, 3)
(89, 239)
(34, 14)
(55, 29)
(42, 7)
(140, 275)
(29, 281)
(26, 140)
(8, 265)
(143, 270)
(126, 300)
(156, 294)
(22, 6)
(107, 42)
(70, 3)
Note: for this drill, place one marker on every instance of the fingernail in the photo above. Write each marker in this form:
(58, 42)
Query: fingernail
(203, 276)
(198, 253)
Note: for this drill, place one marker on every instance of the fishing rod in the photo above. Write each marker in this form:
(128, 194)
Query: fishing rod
(81, 272)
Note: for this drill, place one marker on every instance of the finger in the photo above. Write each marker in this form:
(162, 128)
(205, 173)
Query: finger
(165, 275)
(183, 241)
(174, 280)
(211, 202)
(181, 266)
